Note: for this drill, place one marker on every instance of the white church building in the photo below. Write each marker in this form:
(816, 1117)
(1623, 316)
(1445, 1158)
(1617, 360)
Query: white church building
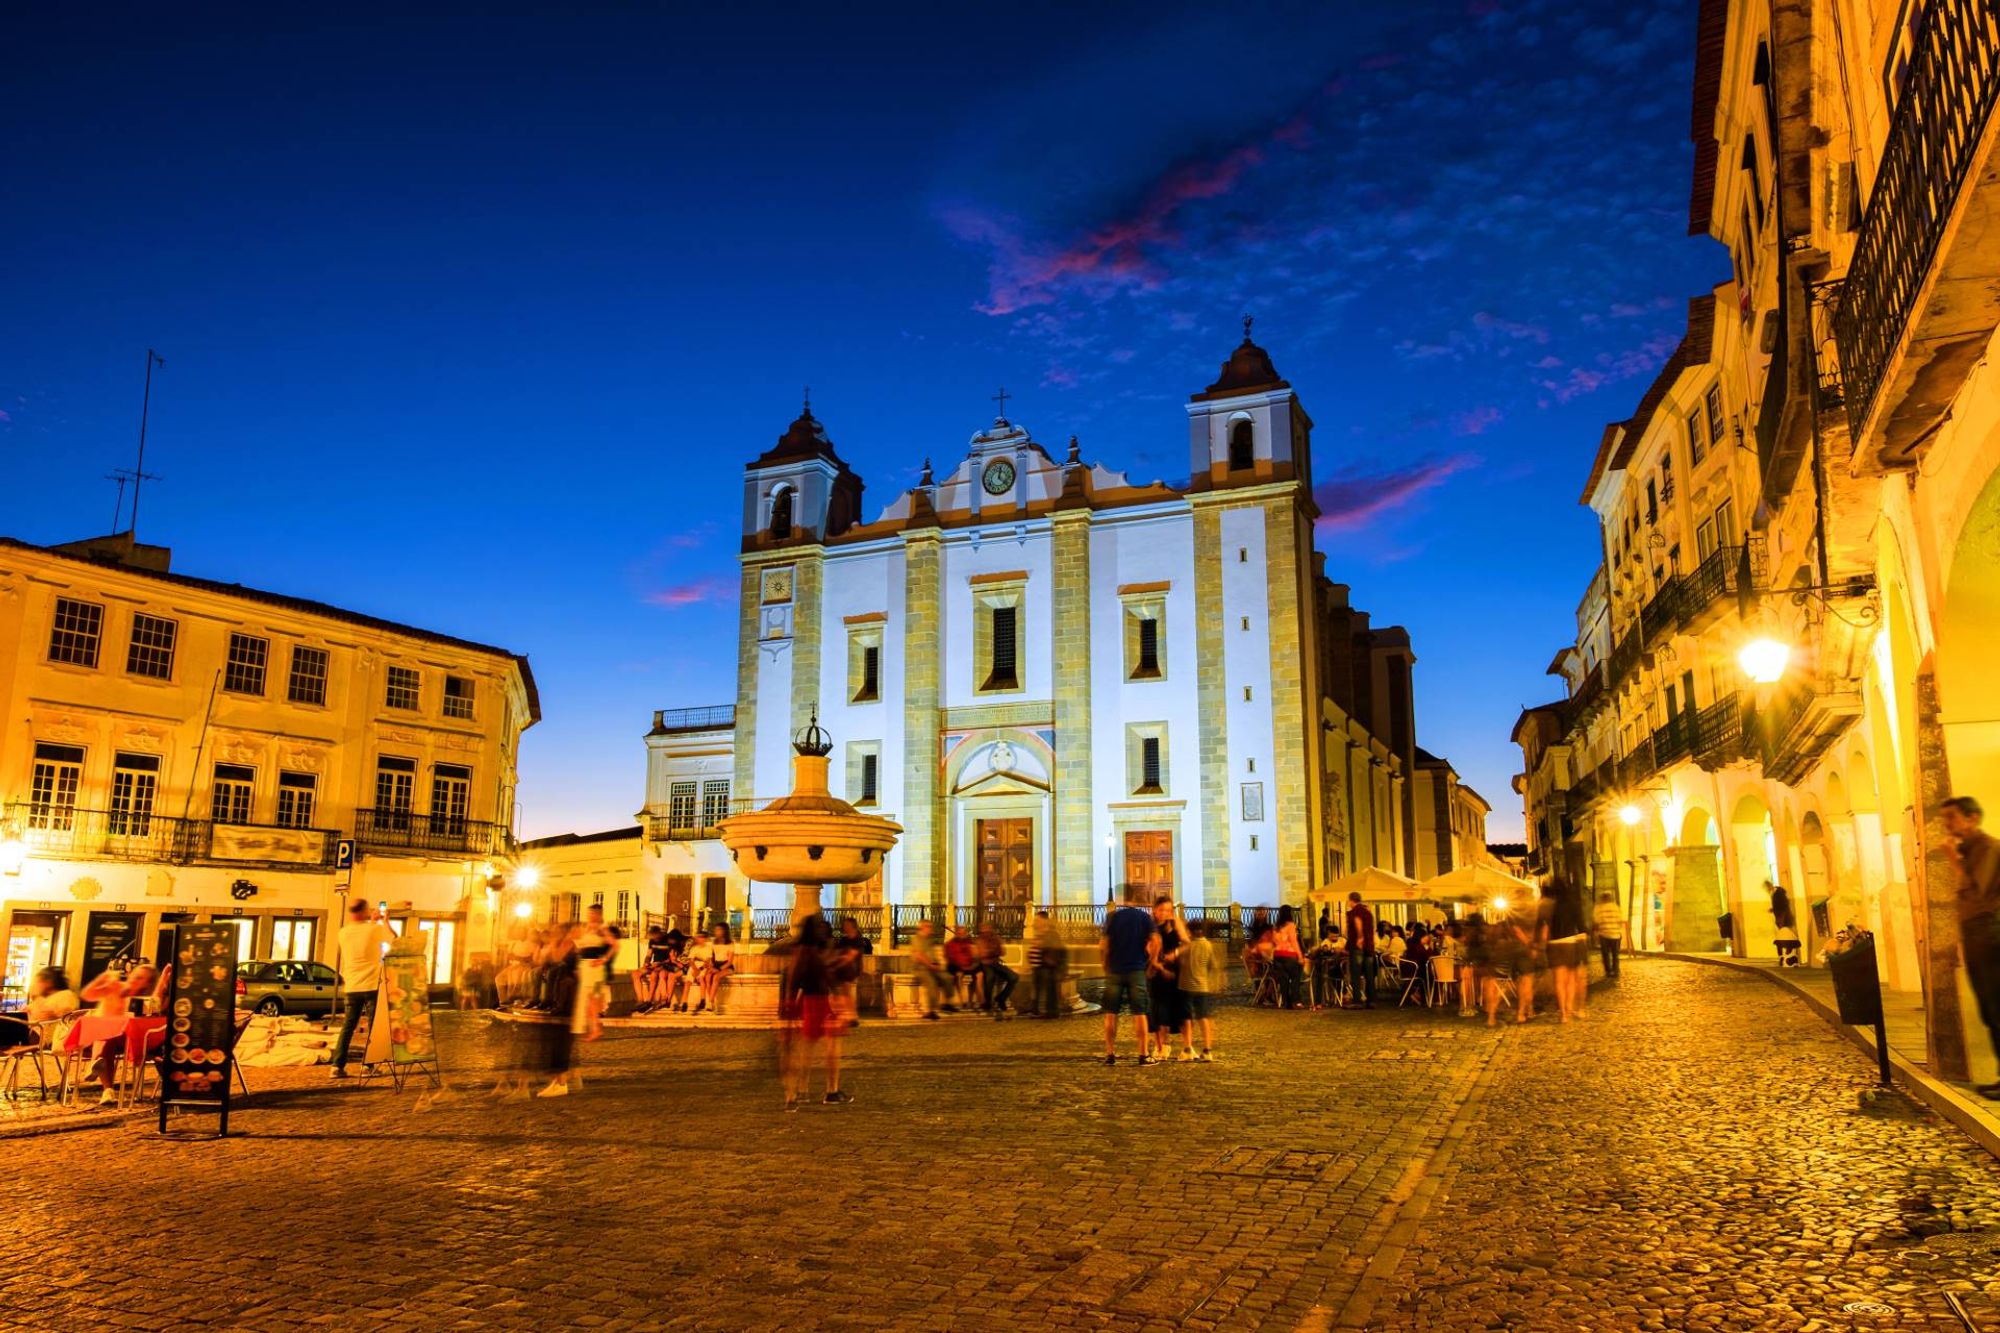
(1060, 680)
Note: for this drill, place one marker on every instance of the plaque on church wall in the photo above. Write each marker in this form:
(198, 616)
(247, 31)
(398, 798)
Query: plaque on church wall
(1253, 802)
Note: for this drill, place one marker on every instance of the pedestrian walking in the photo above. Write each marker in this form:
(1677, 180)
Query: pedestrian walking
(1128, 947)
(595, 945)
(1202, 978)
(1784, 926)
(805, 1004)
(1529, 922)
(930, 975)
(1609, 923)
(1360, 953)
(1568, 947)
(360, 943)
(1288, 958)
(558, 1032)
(1976, 855)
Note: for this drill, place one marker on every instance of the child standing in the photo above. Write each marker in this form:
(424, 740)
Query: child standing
(1201, 981)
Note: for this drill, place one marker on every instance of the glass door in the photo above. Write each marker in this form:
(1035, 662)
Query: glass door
(35, 940)
(246, 934)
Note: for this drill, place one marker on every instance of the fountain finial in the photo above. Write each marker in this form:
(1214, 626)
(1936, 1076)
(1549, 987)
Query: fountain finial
(815, 740)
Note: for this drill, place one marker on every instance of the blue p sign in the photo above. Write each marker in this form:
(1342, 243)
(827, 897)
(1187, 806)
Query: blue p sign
(343, 854)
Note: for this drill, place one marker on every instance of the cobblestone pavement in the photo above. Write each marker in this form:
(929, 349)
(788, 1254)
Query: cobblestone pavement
(1690, 1156)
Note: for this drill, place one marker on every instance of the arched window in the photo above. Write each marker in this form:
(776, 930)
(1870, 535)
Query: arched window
(781, 512)
(1242, 447)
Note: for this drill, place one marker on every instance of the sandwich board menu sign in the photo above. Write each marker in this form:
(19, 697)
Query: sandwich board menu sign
(197, 1055)
(400, 1035)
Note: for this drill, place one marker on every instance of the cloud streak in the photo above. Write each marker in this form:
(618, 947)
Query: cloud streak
(1357, 500)
(694, 592)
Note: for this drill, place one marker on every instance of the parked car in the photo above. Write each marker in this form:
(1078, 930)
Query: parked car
(286, 987)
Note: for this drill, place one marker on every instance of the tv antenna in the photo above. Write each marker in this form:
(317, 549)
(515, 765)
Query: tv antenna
(137, 473)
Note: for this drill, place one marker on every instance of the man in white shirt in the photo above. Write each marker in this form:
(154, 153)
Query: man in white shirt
(362, 941)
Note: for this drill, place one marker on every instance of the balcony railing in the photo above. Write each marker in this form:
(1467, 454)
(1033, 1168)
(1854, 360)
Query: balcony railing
(1624, 657)
(1674, 741)
(713, 718)
(1947, 97)
(1718, 734)
(405, 830)
(1713, 581)
(126, 835)
(1662, 614)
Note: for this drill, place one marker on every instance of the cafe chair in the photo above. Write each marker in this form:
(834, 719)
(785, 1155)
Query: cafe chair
(1444, 980)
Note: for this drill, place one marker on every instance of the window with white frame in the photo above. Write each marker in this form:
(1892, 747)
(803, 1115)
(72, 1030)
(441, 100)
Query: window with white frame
(395, 791)
(135, 782)
(401, 692)
(864, 663)
(229, 798)
(714, 802)
(681, 798)
(297, 793)
(997, 625)
(76, 633)
(243, 671)
(307, 681)
(1146, 759)
(451, 798)
(52, 786)
(151, 652)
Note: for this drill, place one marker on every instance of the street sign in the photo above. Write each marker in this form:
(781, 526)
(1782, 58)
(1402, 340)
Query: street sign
(343, 854)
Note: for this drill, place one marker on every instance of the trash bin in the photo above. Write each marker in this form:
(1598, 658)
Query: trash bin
(1726, 926)
(1855, 985)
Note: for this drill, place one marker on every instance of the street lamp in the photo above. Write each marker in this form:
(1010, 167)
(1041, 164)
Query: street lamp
(1109, 843)
(527, 877)
(524, 909)
(1764, 659)
(1630, 815)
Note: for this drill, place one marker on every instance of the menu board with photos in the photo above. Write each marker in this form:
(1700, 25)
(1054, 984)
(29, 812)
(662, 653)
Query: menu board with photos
(201, 1019)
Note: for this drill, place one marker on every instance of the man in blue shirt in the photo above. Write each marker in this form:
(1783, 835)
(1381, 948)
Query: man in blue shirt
(1128, 946)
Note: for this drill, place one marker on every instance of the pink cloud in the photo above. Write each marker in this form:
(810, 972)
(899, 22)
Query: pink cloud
(1356, 500)
(695, 592)
(1488, 322)
(1477, 421)
(3, 416)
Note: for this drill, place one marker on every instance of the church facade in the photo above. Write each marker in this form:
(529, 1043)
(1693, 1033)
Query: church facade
(1060, 680)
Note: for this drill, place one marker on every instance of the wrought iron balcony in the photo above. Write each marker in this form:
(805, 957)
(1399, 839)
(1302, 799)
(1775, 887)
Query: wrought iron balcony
(1674, 741)
(1662, 615)
(1710, 587)
(1718, 734)
(443, 835)
(717, 717)
(1624, 658)
(1796, 725)
(1937, 150)
(140, 835)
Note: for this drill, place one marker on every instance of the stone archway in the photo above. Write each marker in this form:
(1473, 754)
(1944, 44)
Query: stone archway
(1754, 841)
(1000, 826)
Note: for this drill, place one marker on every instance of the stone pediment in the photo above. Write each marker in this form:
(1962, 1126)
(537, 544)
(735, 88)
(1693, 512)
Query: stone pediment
(1003, 784)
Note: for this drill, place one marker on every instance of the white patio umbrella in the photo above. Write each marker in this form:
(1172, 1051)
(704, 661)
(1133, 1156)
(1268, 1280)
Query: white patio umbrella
(1374, 884)
(1474, 884)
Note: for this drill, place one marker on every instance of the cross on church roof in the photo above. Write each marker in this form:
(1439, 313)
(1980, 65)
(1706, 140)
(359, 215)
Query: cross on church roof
(1247, 322)
(1001, 398)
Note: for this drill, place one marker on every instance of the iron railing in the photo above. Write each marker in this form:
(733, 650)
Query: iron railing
(405, 830)
(1674, 741)
(712, 718)
(1718, 733)
(1954, 71)
(1662, 614)
(1714, 579)
(1624, 657)
(1637, 764)
(140, 835)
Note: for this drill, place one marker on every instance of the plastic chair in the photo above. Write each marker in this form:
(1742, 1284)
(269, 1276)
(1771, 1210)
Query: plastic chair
(80, 1047)
(1412, 976)
(26, 1042)
(1444, 980)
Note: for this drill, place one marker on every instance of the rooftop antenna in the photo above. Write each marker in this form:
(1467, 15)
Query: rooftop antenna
(139, 473)
(121, 476)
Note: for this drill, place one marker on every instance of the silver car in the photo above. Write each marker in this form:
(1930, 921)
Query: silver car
(285, 987)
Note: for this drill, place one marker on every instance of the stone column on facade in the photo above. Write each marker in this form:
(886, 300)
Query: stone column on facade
(922, 692)
(808, 582)
(1211, 705)
(1944, 1020)
(742, 789)
(1691, 899)
(1074, 832)
(1294, 716)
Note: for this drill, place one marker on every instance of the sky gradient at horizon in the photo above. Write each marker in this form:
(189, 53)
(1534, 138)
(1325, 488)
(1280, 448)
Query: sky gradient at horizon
(472, 320)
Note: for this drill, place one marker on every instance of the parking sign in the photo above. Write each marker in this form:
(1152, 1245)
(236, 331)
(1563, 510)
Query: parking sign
(343, 854)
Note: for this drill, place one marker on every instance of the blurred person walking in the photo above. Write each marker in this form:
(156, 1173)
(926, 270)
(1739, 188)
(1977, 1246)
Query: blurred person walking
(1360, 953)
(1608, 920)
(560, 967)
(1048, 959)
(1976, 855)
(930, 974)
(805, 1004)
(360, 944)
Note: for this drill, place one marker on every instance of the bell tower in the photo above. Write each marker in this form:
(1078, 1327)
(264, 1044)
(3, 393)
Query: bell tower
(798, 492)
(1247, 428)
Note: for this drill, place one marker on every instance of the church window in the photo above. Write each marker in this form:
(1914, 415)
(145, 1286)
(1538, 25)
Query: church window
(1005, 673)
(1146, 758)
(864, 772)
(1145, 606)
(997, 618)
(1149, 649)
(781, 513)
(864, 659)
(1242, 446)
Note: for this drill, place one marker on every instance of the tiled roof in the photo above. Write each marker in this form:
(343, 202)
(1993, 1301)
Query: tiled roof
(1711, 32)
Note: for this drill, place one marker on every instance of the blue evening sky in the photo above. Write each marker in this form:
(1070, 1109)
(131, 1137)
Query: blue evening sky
(472, 315)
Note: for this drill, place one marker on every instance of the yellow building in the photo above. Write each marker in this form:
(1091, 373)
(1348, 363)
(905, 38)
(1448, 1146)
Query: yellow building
(1835, 410)
(177, 749)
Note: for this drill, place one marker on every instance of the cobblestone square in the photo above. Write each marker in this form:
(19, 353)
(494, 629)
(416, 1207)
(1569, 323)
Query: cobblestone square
(1691, 1155)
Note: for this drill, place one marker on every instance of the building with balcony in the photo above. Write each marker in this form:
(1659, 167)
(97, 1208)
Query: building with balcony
(1817, 472)
(178, 749)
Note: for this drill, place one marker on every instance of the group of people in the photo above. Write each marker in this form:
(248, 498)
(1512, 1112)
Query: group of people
(1482, 955)
(681, 974)
(1166, 972)
(54, 1005)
